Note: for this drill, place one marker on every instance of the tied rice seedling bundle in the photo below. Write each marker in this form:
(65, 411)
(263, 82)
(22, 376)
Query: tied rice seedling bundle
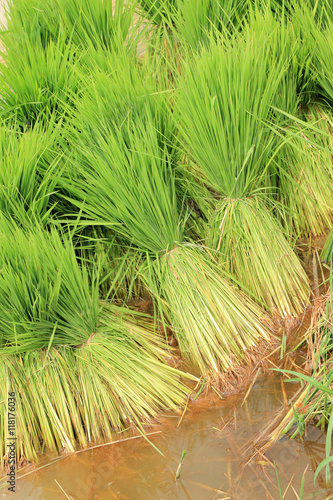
(80, 367)
(80, 21)
(45, 54)
(314, 23)
(260, 251)
(226, 96)
(37, 83)
(118, 265)
(306, 174)
(125, 180)
(29, 170)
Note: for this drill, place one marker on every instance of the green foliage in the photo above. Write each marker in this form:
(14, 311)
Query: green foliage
(159, 11)
(30, 168)
(306, 174)
(225, 97)
(36, 83)
(81, 21)
(68, 354)
(204, 138)
(46, 298)
(121, 175)
(197, 20)
(69, 397)
(118, 265)
(227, 94)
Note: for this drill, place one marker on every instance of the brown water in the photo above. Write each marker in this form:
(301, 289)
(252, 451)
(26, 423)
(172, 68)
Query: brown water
(212, 468)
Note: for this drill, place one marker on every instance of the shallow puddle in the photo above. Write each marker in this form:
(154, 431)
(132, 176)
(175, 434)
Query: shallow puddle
(213, 466)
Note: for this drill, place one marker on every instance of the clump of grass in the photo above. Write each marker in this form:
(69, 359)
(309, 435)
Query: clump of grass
(81, 21)
(30, 168)
(46, 298)
(306, 174)
(226, 96)
(80, 367)
(69, 397)
(213, 322)
(247, 226)
(37, 83)
(45, 53)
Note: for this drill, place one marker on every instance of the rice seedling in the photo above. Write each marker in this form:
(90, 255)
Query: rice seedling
(79, 366)
(36, 83)
(123, 178)
(306, 174)
(226, 95)
(196, 20)
(29, 170)
(256, 256)
(69, 397)
(118, 265)
(80, 21)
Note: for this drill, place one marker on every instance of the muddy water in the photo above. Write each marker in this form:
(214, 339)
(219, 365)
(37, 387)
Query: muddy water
(214, 441)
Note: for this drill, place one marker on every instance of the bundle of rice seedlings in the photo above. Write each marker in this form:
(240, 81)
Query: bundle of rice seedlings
(36, 83)
(67, 397)
(314, 22)
(159, 11)
(81, 21)
(306, 174)
(192, 21)
(226, 95)
(196, 20)
(29, 170)
(118, 265)
(79, 366)
(253, 246)
(123, 178)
